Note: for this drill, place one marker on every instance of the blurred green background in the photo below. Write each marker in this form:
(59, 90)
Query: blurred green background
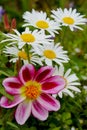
(73, 112)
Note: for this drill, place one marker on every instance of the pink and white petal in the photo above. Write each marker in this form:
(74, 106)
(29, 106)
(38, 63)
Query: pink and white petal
(49, 102)
(43, 73)
(12, 85)
(26, 73)
(53, 86)
(39, 111)
(6, 103)
(23, 112)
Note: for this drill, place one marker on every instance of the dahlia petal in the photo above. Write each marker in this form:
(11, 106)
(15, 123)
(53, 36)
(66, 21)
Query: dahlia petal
(23, 112)
(12, 85)
(39, 111)
(53, 85)
(6, 103)
(48, 102)
(44, 73)
(26, 73)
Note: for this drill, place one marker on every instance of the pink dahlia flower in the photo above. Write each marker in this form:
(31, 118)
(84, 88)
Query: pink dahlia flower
(32, 91)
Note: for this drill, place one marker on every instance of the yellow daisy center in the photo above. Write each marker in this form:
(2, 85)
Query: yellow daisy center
(27, 37)
(31, 90)
(42, 24)
(49, 54)
(22, 54)
(68, 20)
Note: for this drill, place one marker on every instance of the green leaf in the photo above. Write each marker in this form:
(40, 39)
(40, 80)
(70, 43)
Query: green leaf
(12, 125)
(57, 128)
(32, 128)
(3, 92)
(68, 122)
(4, 73)
(65, 116)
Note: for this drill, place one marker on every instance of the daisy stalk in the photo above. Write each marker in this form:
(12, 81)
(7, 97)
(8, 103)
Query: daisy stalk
(28, 48)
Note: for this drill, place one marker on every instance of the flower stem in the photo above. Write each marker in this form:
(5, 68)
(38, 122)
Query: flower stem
(63, 35)
(28, 47)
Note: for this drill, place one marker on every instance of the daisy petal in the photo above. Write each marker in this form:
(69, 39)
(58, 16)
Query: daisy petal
(60, 94)
(67, 73)
(74, 88)
(39, 111)
(12, 85)
(26, 73)
(48, 102)
(6, 103)
(68, 92)
(23, 112)
(72, 78)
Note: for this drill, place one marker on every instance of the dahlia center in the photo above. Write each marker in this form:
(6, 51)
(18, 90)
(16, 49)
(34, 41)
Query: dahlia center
(68, 20)
(50, 54)
(27, 37)
(42, 24)
(22, 54)
(32, 89)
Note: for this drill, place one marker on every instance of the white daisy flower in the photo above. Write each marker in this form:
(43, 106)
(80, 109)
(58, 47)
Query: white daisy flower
(40, 21)
(16, 54)
(85, 87)
(50, 53)
(69, 18)
(28, 37)
(70, 79)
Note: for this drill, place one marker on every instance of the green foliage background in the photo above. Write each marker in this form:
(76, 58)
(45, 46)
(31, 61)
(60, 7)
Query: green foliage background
(73, 111)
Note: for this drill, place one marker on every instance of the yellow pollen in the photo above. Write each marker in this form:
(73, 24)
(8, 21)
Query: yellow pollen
(27, 37)
(42, 24)
(66, 82)
(22, 54)
(31, 90)
(68, 20)
(50, 54)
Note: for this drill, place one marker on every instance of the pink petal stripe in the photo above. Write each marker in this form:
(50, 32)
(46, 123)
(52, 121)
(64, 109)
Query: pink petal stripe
(48, 102)
(53, 85)
(26, 73)
(23, 112)
(39, 111)
(12, 85)
(44, 73)
(6, 103)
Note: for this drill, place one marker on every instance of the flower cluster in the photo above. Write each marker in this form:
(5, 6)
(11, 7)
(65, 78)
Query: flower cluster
(41, 77)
